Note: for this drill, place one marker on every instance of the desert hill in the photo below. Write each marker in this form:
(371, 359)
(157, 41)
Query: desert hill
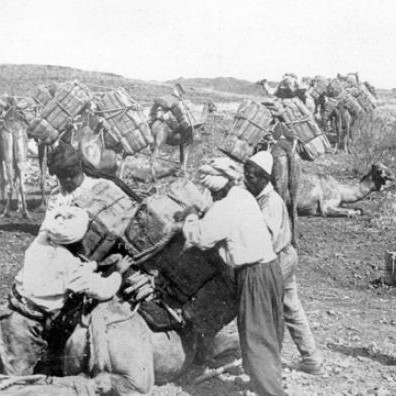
(22, 80)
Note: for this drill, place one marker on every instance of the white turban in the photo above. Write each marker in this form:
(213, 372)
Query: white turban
(264, 160)
(66, 224)
(219, 172)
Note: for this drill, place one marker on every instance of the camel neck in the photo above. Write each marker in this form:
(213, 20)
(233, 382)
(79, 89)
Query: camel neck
(350, 194)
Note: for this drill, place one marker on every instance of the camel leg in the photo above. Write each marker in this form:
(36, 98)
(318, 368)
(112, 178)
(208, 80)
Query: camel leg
(8, 188)
(42, 157)
(122, 166)
(184, 153)
(153, 159)
(330, 211)
(19, 169)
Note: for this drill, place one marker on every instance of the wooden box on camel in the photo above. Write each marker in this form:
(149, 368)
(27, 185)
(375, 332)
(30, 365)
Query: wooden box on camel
(301, 125)
(126, 120)
(318, 88)
(155, 215)
(110, 211)
(180, 115)
(252, 123)
(363, 97)
(70, 99)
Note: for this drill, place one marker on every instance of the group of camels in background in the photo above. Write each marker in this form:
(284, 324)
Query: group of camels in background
(105, 153)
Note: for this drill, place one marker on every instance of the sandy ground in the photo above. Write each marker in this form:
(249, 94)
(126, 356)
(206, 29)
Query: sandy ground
(354, 322)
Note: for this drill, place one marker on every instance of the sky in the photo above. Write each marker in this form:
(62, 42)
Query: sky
(166, 39)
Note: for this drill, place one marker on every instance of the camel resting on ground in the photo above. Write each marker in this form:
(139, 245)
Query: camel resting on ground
(323, 195)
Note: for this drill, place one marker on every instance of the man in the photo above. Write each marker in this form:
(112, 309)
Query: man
(65, 162)
(234, 225)
(40, 289)
(257, 179)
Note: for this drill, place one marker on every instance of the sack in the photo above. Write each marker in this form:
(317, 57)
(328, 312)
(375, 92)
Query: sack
(157, 317)
(71, 98)
(110, 211)
(154, 216)
(206, 311)
(126, 120)
(252, 123)
(314, 148)
(299, 120)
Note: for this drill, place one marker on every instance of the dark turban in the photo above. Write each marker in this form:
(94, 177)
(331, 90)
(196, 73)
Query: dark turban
(64, 160)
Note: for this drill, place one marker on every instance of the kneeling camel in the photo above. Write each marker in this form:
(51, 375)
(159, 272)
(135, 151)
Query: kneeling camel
(323, 195)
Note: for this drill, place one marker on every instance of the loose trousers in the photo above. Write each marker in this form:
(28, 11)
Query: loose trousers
(261, 325)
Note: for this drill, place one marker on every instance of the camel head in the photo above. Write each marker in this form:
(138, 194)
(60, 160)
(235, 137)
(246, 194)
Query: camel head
(379, 174)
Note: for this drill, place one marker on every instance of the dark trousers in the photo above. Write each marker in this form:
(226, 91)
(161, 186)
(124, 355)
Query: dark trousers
(261, 325)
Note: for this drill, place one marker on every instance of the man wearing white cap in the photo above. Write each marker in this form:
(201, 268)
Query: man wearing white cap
(40, 288)
(235, 226)
(257, 179)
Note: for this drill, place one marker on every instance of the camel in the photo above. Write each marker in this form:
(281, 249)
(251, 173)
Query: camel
(113, 351)
(289, 88)
(163, 134)
(322, 195)
(13, 156)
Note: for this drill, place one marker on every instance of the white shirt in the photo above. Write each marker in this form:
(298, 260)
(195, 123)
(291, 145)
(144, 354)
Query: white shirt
(50, 271)
(59, 197)
(235, 225)
(276, 217)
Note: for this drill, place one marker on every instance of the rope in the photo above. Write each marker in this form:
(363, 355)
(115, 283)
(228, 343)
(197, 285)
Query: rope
(252, 122)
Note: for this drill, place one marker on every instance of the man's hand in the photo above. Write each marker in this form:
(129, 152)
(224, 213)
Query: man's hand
(124, 264)
(110, 260)
(141, 286)
(180, 215)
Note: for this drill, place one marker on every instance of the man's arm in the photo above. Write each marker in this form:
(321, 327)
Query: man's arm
(211, 229)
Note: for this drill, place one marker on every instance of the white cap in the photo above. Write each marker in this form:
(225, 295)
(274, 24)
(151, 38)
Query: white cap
(264, 160)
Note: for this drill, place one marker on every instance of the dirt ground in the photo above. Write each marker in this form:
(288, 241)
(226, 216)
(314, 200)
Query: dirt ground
(353, 321)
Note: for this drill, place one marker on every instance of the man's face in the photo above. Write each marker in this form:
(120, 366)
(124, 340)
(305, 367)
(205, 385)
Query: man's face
(70, 179)
(254, 183)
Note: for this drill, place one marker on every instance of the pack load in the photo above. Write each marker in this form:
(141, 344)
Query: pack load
(44, 93)
(155, 214)
(318, 88)
(180, 115)
(251, 124)
(70, 99)
(364, 97)
(330, 106)
(125, 119)
(110, 211)
(336, 86)
(346, 99)
(301, 125)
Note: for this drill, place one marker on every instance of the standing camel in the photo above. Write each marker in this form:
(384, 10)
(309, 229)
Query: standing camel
(164, 134)
(13, 156)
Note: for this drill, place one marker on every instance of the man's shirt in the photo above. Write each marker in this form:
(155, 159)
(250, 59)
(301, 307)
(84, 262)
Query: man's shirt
(276, 217)
(235, 225)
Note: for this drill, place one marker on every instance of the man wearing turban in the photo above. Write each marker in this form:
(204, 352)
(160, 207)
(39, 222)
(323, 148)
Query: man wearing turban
(235, 226)
(50, 271)
(258, 171)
